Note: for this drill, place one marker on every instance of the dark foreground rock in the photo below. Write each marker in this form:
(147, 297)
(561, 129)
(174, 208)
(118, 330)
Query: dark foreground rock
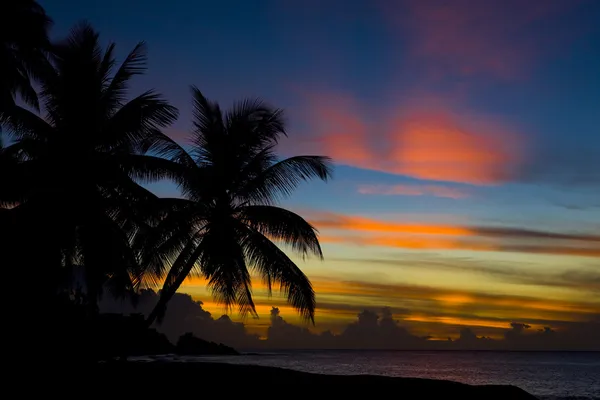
(224, 380)
(119, 336)
(188, 344)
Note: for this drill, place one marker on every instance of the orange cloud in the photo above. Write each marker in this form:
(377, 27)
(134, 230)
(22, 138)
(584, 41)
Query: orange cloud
(456, 299)
(347, 222)
(411, 243)
(413, 190)
(427, 243)
(447, 237)
(461, 321)
(426, 140)
(438, 145)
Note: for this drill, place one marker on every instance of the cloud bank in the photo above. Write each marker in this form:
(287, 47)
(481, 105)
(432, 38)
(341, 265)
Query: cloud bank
(371, 330)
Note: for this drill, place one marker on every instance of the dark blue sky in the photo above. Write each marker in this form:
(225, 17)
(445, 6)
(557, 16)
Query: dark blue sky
(468, 113)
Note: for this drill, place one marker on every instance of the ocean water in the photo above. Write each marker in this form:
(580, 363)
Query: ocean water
(547, 375)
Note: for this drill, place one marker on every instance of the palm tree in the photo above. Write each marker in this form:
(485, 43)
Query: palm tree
(226, 222)
(79, 203)
(23, 43)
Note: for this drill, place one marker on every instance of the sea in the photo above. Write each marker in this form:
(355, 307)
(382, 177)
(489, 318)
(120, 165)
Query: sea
(546, 375)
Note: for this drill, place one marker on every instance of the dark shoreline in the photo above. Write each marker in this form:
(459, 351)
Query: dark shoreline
(244, 352)
(235, 378)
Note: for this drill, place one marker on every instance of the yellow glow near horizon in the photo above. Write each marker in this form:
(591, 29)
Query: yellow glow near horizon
(438, 308)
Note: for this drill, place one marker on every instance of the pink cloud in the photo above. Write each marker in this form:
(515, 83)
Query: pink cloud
(469, 37)
(425, 140)
(442, 145)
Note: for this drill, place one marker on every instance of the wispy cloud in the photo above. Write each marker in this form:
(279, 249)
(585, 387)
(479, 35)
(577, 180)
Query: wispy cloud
(413, 190)
(338, 228)
(475, 38)
(327, 220)
(583, 279)
(460, 301)
(424, 138)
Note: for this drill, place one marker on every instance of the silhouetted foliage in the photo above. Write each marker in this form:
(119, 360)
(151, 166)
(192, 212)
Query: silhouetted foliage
(75, 220)
(78, 164)
(224, 226)
(23, 45)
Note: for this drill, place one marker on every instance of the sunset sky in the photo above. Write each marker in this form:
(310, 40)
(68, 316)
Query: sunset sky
(466, 137)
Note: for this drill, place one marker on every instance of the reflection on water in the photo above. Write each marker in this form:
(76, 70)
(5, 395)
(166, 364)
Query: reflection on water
(546, 375)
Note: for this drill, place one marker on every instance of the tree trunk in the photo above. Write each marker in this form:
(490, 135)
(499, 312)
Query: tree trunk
(169, 291)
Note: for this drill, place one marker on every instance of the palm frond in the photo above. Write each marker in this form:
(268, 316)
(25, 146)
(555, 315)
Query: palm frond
(280, 179)
(163, 146)
(254, 124)
(207, 124)
(141, 118)
(83, 41)
(22, 123)
(165, 261)
(167, 244)
(23, 86)
(223, 264)
(145, 168)
(106, 66)
(72, 89)
(282, 225)
(275, 267)
(24, 46)
(134, 64)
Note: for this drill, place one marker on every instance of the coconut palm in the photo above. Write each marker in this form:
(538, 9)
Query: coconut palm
(78, 204)
(23, 43)
(227, 222)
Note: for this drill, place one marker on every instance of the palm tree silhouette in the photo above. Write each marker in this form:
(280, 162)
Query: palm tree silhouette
(23, 44)
(224, 225)
(79, 204)
(8, 184)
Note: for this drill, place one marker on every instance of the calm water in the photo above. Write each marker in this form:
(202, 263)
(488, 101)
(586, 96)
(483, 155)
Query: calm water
(545, 375)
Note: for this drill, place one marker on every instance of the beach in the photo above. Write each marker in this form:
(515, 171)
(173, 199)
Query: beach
(231, 379)
(545, 375)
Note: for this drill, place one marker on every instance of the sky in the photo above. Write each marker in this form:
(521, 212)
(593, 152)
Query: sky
(465, 134)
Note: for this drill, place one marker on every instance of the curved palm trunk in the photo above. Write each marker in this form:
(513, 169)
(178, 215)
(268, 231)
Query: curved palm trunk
(168, 292)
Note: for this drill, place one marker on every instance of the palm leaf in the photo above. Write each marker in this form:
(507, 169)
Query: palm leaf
(164, 146)
(22, 50)
(280, 179)
(223, 264)
(253, 125)
(145, 168)
(140, 119)
(208, 124)
(23, 123)
(282, 225)
(134, 64)
(275, 266)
